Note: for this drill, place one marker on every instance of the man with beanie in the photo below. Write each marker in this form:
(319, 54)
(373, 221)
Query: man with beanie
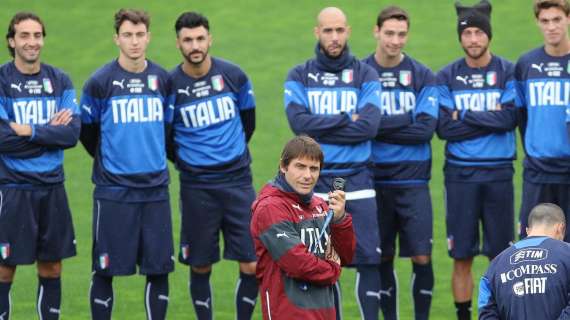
(334, 98)
(477, 117)
(297, 267)
(402, 161)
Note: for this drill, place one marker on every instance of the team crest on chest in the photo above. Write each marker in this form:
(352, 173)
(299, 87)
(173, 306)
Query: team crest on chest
(4, 250)
(491, 78)
(48, 88)
(152, 82)
(218, 83)
(347, 75)
(405, 77)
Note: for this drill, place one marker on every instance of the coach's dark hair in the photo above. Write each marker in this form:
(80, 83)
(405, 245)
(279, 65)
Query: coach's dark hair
(547, 4)
(392, 12)
(547, 214)
(133, 15)
(17, 18)
(191, 20)
(301, 147)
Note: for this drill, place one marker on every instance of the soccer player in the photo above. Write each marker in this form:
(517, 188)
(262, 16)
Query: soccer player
(543, 75)
(297, 268)
(214, 119)
(531, 279)
(477, 117)
(124, 126)
(334, 98)
(39, 118)
(402, 157)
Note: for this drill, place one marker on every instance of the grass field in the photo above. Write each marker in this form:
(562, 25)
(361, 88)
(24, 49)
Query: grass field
(266, 38)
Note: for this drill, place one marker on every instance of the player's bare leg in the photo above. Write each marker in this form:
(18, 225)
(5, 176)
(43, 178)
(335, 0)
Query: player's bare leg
(246, 291)
(49, 289)
(462, 286)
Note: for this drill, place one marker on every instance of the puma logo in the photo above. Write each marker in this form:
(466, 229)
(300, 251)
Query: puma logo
(388, 292)
(432, 100)
(248, 301)
(462, 79)
(104, 303)
(87, 108)
(281, 235)
(373, 294)
(537, 66)
(54, 310)
(296, 206)
(185, 91)
(315, 76)
(288, 92)
(119, 83)
(2, 315)
(205, 304)
(17, 87)
(163, 297)
(426, 292)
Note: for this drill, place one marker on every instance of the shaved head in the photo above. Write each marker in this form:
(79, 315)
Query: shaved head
(331, 13)
(332, 31)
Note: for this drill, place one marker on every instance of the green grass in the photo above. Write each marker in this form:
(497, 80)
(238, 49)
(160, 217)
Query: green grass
(266, 38)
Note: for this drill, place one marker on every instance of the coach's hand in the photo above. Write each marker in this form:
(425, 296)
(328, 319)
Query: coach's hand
(331, 255)
(336, 203)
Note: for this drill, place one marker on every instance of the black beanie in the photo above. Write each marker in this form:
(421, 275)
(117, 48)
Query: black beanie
(478, 16)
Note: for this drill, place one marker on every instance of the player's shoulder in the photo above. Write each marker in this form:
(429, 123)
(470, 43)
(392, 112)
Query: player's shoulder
(369, 60)
(300, 71)
(227, 66)
(531, 56)
(53, 71)
(503, 63)
(155, 68)
(104, 72)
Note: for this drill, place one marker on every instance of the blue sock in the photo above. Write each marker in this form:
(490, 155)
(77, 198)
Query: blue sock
(368, 291)
(49, 298)
(201, 294)
(156, 296)
(337, 292)
(101, 297)
(422, 286)
(389, 293)
(5, 300)
(246, 296)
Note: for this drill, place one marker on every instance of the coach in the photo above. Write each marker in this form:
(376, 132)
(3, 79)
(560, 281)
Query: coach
(297, 268)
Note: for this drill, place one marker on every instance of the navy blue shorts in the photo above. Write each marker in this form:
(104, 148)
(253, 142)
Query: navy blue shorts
(467, 204)
(206, 212)
(127, 234)
(361, 203)
(405, 211)
(535, 193)
(35, 225)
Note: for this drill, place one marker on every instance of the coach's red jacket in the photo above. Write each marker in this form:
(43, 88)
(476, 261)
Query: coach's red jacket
(296, 282)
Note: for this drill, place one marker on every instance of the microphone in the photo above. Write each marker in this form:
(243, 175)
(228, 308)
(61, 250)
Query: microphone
(338, 183)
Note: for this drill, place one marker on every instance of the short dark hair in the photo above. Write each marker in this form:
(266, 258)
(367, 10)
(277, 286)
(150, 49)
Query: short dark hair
(301, 147)
(547, 4)
(392, 12)
(133, 15)
(191, 20)
(547, 214)
(17, 18)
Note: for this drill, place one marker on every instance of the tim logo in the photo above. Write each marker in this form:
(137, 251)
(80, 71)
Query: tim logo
(524, 255)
